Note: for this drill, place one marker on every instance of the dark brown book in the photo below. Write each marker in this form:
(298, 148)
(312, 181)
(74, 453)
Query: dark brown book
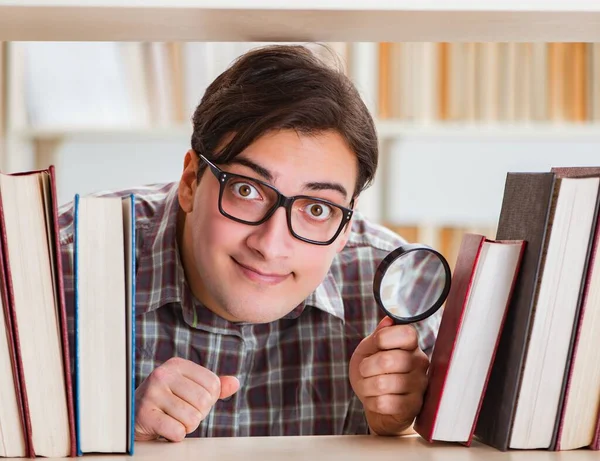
(526, 214)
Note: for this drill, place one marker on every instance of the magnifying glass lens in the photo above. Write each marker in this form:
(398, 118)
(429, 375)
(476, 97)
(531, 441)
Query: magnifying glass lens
(412, 285)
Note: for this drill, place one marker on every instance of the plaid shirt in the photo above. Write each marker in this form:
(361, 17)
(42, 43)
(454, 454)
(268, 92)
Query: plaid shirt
(294, 371)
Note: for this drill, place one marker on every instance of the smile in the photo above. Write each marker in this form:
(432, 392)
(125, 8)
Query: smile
(261, 277)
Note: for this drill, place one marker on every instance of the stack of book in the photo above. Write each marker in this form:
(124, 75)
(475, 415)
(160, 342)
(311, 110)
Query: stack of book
(526, 374)
(44, 410)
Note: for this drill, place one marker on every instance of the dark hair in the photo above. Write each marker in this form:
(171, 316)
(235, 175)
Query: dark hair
(283, 87)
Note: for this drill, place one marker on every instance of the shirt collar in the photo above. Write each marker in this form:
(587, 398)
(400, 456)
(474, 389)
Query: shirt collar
(327, 296)
(160, 251)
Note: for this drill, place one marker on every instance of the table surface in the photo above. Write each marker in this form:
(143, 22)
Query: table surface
(333, 448)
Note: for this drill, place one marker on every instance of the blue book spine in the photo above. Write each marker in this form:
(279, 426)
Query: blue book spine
(132, 327)
(76, 319)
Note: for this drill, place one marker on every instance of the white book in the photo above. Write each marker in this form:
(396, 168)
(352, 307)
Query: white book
(557, 302)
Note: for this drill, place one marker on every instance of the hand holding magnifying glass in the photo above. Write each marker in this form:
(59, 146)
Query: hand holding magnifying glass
(388, 369)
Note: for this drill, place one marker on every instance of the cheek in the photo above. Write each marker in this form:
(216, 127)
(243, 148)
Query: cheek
(313, 261)
(213, 230)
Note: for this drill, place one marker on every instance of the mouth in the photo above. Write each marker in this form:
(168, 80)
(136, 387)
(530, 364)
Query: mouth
(256, 275)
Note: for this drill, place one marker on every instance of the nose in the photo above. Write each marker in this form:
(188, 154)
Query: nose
(272, 239)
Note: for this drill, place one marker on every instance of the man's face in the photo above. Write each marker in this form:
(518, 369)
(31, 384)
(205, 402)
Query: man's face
(260, 273)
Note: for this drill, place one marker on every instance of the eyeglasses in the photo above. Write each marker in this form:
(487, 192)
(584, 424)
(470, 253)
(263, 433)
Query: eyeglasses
(250, 201)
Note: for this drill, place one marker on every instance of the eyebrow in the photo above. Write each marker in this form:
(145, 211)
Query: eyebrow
(314, 186)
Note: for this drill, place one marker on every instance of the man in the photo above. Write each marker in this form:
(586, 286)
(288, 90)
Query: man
(255, 313)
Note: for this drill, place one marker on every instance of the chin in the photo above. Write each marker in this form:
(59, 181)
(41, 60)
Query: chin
(257, 313)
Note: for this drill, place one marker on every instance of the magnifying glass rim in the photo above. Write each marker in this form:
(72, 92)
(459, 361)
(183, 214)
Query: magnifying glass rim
(386, 263)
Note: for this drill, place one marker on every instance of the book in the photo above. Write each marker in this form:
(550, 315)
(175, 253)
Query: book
(33, 292)
(12, 428)
(580, 403)
(482, 284)
(555, 314)
(104, 264)
(526, 214)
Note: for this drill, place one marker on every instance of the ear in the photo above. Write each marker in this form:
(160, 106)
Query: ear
(188, 182)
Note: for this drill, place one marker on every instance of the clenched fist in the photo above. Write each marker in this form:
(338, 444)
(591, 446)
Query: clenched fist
(176, 397)
(388, 374)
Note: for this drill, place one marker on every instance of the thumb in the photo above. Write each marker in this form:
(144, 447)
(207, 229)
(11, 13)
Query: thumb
(229, 386)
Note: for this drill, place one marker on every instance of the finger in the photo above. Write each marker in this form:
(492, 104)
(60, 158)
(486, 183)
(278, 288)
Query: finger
(389, 337)
(187, 415)
(367, 346)
(199, 375)
(394, 404)
(153, 423)
(396, 337)
(394, 361)
(193, 393)
(229, 386)
(396, 383)
(382, 362)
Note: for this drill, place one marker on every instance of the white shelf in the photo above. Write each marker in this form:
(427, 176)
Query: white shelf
(309, 20)
(390, 129)
(387, 130)
(105, 133)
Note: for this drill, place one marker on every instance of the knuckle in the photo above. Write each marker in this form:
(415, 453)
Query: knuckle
(412, 336)
(213, 386)
(379, 339)
(381, 404)
(160, 375)
(174, 362)
(380, 384)
(192, 420)
(204, 401)
(170, 429)
(152, 394)
(386, 362)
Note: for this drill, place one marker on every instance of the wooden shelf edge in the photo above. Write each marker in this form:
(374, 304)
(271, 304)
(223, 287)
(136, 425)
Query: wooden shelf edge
(311, 20)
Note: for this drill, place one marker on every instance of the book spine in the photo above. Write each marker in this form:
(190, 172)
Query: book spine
(62, 318)
(14, 332)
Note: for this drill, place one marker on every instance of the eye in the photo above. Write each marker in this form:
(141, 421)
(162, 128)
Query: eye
(318, 211)
(245, 190)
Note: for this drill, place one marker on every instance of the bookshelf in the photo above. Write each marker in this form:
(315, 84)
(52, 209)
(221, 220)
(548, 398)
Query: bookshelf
(311, 20)
(270, 20)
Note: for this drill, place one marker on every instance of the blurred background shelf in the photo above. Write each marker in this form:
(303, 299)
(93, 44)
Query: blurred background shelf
(386, 129)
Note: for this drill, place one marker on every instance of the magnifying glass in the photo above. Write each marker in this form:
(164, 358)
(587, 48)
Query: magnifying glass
(412, 283)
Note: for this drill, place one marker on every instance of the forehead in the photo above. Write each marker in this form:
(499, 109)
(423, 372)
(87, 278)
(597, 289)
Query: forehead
(295, 157)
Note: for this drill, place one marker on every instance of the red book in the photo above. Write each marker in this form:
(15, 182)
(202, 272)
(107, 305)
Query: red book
(33, 289)
(482, 284)
(17, 373)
